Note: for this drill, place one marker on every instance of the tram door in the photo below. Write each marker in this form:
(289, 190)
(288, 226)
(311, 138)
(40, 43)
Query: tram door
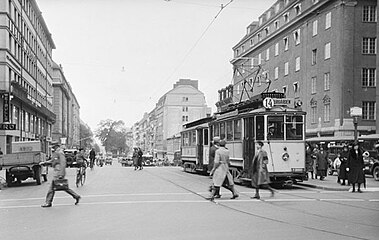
(248, 143)
(200, 149)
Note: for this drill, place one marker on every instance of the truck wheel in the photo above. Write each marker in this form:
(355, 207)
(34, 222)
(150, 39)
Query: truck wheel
(8, 178)
(375, 173)
(37, 175)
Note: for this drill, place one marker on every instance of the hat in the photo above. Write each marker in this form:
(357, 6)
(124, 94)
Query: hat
(222, 143)
(55, 143)
(260, 143)
(216, 139)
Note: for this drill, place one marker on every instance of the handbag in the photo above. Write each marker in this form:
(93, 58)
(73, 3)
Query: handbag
(60, 184)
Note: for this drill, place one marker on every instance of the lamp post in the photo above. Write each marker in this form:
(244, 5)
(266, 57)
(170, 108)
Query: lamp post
(355, 112)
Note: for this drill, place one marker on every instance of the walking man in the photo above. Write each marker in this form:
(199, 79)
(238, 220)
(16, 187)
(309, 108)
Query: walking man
(220, 172)
(58, 162)
(212, 154)
(260, 178)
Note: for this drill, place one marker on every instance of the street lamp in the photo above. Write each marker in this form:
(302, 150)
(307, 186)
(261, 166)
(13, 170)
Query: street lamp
(355, 112)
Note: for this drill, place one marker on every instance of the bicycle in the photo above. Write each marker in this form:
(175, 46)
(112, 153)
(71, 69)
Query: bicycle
(81, 175)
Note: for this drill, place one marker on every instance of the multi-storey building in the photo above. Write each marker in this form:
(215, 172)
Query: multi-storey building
(322, 53)
(66, 108)
(25, 74)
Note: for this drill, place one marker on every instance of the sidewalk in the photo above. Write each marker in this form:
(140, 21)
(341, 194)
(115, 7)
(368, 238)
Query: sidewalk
(330, 183)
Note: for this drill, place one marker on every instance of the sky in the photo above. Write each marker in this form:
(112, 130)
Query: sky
(121, 56)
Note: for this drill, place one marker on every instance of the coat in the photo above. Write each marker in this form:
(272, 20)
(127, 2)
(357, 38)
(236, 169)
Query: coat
(259, 170)
(58, 161)
(322, 163)
(355, 165)
(222, 171)
(212, 154)
(343, 174)
(308, 160)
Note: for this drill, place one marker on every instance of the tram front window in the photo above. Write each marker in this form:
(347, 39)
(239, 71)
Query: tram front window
(294, 127)
(275, 126)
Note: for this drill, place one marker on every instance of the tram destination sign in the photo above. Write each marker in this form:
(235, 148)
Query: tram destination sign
(271, 102)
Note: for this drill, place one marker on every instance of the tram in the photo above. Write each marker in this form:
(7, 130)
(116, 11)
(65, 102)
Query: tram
(265, 117)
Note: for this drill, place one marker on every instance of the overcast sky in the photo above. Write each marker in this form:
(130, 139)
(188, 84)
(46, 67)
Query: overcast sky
(121, 56)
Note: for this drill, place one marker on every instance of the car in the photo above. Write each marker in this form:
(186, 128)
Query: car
(108, 160)
(371, 163)
(70, 155)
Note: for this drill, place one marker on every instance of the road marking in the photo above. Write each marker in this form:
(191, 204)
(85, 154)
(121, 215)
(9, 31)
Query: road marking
(344, 200)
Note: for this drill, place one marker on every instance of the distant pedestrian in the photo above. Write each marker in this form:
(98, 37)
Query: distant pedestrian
(314, 157)
(58, 162)
(92, 157)
(355, 167)
(342, 175)
(212, 154)
(260, 177)
(135, 158)
(322, 163)
(309, 160)
(139, 155)
(220, 172)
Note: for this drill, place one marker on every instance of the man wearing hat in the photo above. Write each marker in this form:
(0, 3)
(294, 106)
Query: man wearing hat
(212, 153)
(220, 172)
(58, 162)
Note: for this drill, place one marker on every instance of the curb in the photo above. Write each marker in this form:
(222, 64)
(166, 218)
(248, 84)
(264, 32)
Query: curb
(324, 187)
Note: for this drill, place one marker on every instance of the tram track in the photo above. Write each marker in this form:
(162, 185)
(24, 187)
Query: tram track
(225, 205)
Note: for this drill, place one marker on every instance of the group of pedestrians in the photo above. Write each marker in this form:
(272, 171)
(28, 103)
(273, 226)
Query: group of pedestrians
(349, 164)
(137, 158)
(221, 176)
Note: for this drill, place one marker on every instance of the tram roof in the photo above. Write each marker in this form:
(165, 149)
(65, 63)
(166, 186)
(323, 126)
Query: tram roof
(370, 137)
(197, 122)
(275, 109)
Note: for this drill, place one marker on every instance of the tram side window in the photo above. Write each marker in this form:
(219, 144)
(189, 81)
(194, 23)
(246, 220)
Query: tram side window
(217, 130)
(275, 127)
(294, 127)
(222, 130)
(189, 138)
(194, 139)
(185, 139)
(259, 128)
(205, 137)
(229, 131)
(237, 129)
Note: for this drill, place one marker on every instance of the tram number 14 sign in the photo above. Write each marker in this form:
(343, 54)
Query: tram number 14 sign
(271, 102)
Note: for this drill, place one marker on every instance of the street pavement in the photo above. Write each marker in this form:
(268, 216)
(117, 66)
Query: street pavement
(167, 203)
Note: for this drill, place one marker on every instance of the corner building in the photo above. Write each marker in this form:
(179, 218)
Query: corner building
(322, 53)
(25, 74)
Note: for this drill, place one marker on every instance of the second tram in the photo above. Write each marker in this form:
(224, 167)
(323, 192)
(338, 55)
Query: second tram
(265, 118)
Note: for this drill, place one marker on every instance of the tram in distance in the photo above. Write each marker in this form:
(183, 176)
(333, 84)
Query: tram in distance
(279, 127)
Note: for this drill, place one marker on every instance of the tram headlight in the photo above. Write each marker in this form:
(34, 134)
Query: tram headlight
(285, 156)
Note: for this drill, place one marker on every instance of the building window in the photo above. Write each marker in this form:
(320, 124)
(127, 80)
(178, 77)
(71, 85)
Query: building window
(243, 48)
(252, 42)
(369, 14)
(276, 73)
(296, 87)
(286, 66)
(276, 24)
(327, 112)
(314, 56)
(327, 51)
(277, 8)
(296, 36)
(259, 37)
(285, 40)
(286, 2)
(369, 46)
(276, 49)
(297, 64)
(314, 28)
(267, 54)
(327, 81)
(368, 77)
(313, 85)
(284, 90)
(268, 15)
(297, 9)
(259, 58)
(267, 31)
(328, 20)
(314, 114)
(185, 99)
(369, 110)
(286, 17)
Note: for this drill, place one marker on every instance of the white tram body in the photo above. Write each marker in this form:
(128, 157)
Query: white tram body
(280, 128)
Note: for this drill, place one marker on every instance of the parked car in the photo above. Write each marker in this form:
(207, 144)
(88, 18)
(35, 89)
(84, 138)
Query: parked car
(371, 163)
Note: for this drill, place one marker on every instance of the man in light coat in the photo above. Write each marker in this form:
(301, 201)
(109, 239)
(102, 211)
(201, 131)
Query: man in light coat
(220, 172)
(58, 161)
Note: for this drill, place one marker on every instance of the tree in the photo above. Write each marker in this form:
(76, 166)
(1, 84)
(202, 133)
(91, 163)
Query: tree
(86, 136)
(112, 135)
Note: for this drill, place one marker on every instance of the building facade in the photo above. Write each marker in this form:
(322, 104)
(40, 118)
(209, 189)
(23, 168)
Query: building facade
(66, 108)
(26, 84)
(321, 53)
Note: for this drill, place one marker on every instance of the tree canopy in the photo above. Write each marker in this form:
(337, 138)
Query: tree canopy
(112, 135)
(86, 136)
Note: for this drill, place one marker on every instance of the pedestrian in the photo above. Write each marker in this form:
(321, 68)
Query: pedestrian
(260, 177)
(139, 155)
(135, 158)
(92, 156)
(309, 160)
(212, 154)
(58, 162)
(314, 157)
(355, 167)
(322, 163)
(342, 175)
(337, 165)
(220, 172)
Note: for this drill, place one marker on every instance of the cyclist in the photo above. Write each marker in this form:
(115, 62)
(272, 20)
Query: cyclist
(81, 161)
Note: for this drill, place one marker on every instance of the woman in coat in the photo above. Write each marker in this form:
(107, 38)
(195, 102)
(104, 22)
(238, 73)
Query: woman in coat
(342, 175)
(322, 163)
(309, 160)
(355, 167)
(260, 178)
